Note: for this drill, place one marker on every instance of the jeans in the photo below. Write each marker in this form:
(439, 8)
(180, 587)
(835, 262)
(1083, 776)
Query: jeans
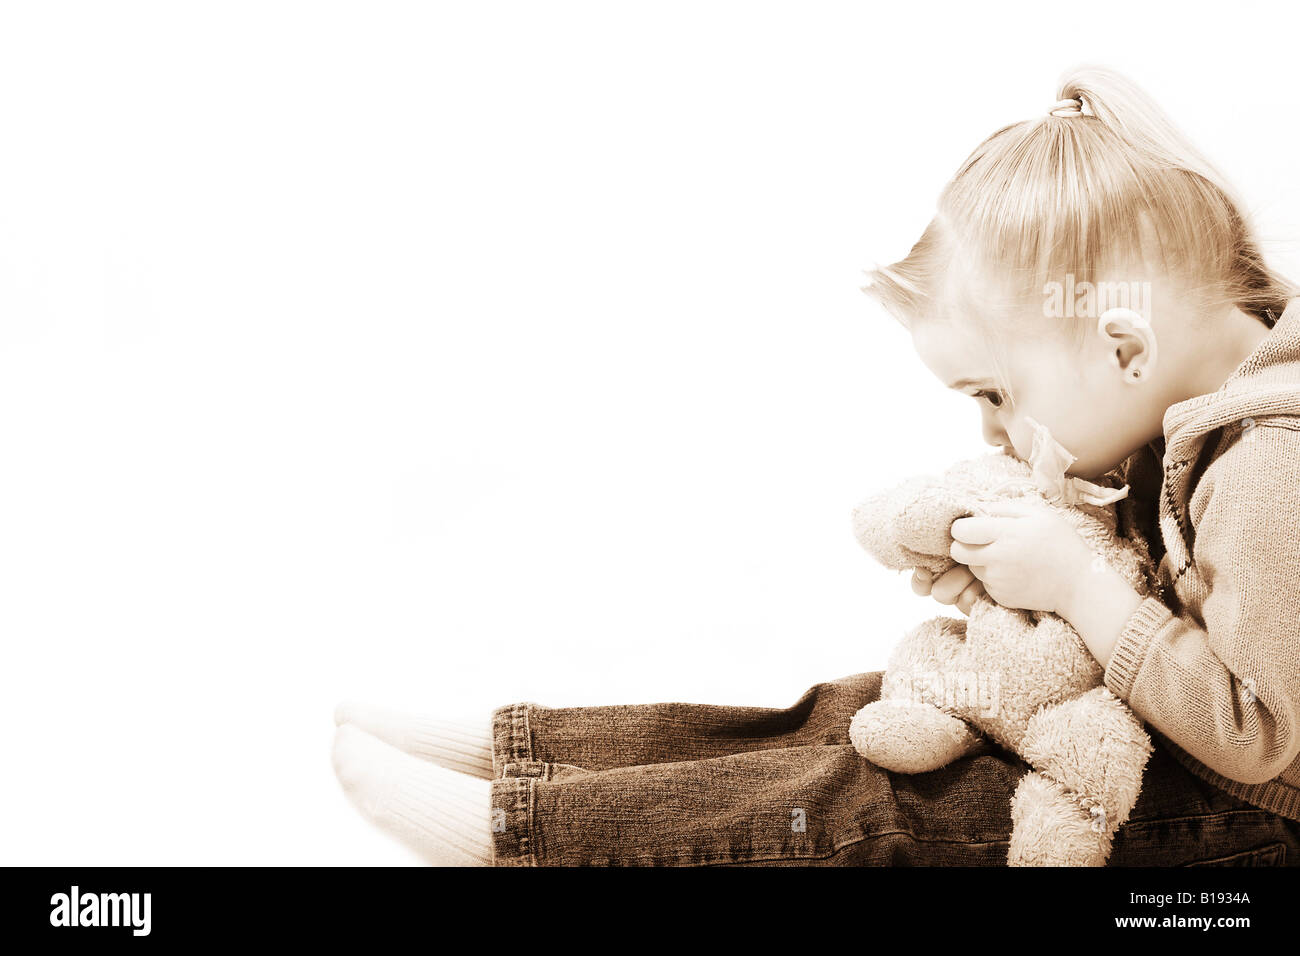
(706, 785)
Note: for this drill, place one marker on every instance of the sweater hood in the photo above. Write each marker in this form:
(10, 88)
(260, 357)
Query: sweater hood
(1266, 383)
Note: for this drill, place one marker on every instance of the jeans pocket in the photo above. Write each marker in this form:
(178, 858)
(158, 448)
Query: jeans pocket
(1271, 854)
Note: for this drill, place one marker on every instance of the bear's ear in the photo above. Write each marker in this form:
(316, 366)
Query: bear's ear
(987, 474)
(876, 516)
(910, 525)
(873, 527)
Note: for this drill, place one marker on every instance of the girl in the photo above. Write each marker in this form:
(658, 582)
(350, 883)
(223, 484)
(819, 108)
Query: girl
(1087, 271)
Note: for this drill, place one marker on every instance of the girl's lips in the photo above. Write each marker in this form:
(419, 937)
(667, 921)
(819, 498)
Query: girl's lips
(1050, 461)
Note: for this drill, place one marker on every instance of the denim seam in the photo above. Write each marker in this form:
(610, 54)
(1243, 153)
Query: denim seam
(521, 738)
(520, 802)
(522, 744)
(522, 799)
(773, 853)
(844, 846)
(871, 836)
(1237, 811)
(1276, 849)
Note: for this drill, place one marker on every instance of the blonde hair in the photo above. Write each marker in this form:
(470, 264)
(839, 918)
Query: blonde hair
(1082, 191)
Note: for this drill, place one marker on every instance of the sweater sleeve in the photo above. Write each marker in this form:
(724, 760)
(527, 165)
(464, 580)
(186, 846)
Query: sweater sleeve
(1226, 688)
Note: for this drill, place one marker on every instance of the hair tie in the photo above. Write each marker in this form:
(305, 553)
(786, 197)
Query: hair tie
(1068, 107)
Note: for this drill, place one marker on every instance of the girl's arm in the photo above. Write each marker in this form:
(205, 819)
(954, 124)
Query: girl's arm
(1225, 684)
(1099, 609)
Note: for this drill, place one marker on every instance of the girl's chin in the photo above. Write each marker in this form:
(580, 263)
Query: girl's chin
(1093, 472)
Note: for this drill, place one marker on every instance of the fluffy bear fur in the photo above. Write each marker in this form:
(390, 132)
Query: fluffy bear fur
(1024, 679)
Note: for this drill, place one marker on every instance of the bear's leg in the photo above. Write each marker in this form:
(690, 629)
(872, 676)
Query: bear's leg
(1093, 745)
(1050, 828)
(909, 737)
(907, 730)
(1095, 750)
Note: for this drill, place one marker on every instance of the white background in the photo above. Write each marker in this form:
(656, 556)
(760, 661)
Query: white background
(451, 355)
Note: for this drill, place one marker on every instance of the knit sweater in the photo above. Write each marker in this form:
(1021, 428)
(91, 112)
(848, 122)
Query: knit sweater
(1211, 662)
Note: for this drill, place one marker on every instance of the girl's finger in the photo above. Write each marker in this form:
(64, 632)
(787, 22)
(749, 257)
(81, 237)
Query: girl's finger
(978, 530)
(950, 584)
(966, 599)
(969, 554)
(921, 581)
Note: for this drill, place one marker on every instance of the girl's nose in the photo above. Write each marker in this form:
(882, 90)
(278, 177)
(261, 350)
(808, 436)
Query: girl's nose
(995, 435)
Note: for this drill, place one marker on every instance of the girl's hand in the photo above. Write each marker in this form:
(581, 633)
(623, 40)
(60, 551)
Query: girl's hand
(955, 586)
(1025, 557)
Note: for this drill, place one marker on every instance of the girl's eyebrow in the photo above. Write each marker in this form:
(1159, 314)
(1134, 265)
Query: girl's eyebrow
(963, 382)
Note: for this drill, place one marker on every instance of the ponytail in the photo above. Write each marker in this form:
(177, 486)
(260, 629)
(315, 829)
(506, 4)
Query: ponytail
(1104, 177)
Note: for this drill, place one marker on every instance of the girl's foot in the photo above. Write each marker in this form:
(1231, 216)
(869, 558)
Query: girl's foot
(442, 814)
(459, 744)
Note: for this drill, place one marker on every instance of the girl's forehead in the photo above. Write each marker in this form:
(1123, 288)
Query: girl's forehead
(952, 352)
(962, 354)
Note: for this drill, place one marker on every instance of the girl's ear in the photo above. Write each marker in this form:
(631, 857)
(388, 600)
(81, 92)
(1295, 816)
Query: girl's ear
(1134, 339)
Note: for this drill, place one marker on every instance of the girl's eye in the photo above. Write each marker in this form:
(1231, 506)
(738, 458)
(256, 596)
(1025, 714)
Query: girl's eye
(994, 398)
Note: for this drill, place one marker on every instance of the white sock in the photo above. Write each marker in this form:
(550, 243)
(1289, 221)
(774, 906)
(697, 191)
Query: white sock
(443, 815)
(463, 744)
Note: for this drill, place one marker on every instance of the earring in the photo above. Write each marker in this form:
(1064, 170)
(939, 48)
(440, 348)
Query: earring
(1138, 322)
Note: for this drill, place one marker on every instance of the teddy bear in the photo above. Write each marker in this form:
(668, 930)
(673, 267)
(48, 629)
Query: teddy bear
(1023, 679)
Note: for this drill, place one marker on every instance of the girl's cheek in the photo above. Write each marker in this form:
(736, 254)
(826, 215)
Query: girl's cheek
(1021, 437)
